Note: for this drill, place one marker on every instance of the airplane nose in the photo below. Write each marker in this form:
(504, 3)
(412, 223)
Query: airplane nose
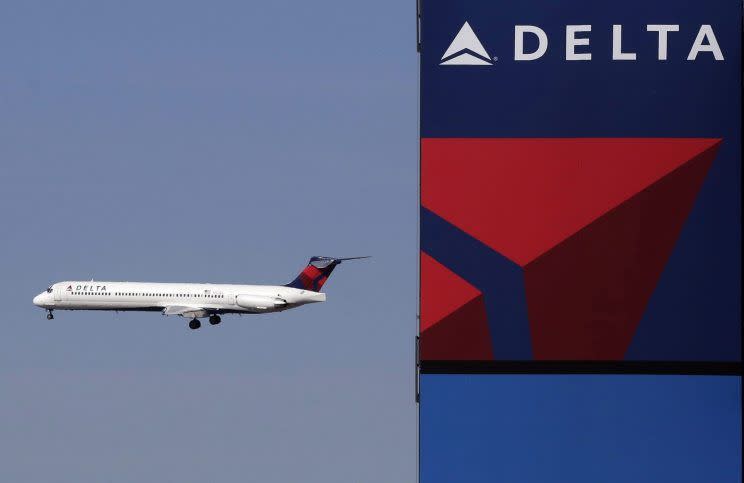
(39, 300)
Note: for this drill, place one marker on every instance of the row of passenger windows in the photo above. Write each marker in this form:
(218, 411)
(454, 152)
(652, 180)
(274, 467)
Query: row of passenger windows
(139, 294)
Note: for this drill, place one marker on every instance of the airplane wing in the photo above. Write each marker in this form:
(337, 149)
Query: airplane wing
(183, 309)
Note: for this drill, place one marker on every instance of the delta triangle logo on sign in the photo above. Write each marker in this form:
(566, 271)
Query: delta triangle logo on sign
(466, 49)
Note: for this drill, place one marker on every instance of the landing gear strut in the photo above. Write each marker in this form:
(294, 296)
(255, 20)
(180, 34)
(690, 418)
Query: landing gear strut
(214, 319)
(50, 316)
(194, 324)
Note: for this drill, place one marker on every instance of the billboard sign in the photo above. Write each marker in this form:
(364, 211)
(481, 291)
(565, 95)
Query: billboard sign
(580, 181)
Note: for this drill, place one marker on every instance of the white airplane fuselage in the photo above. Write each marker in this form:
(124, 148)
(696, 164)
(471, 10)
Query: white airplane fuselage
(187, 299)
(192, 300)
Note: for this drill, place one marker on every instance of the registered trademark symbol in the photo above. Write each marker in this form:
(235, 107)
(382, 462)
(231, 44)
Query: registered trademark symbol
(495, 58)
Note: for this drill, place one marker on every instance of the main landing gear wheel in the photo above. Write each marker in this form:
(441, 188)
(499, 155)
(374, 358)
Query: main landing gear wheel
(194, 324)
(50, 316)
(214, 319)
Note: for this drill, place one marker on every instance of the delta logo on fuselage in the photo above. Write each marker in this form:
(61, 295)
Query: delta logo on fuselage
(467, 49)
(86, 288)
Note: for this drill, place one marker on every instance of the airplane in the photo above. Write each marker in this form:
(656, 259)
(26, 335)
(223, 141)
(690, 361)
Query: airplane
(192, 300)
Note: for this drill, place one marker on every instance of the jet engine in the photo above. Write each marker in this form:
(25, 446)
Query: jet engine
(259, 302)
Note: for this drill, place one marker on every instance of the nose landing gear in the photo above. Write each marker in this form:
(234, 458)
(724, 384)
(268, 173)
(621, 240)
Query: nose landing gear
(214, 319)
(50, 316)
(194, 324)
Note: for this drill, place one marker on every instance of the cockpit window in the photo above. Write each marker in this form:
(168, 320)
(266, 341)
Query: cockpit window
(49, 289)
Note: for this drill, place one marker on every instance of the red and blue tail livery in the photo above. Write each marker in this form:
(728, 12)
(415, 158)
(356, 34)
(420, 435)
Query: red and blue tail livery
(317, 271)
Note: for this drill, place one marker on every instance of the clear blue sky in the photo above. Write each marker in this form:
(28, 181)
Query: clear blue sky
(222, 142)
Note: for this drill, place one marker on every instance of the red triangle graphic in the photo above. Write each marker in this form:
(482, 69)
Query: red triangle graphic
(522, 197)
(586, 295)
(454, 325)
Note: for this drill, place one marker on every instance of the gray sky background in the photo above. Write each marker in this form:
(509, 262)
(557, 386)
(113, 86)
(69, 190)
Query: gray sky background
(220, 142)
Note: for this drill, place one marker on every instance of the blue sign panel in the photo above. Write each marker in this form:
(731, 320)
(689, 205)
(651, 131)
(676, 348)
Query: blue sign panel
(581, 180)
(580, 429)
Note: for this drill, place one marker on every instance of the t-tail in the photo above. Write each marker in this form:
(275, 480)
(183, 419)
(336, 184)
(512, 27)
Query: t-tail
(317, 271)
